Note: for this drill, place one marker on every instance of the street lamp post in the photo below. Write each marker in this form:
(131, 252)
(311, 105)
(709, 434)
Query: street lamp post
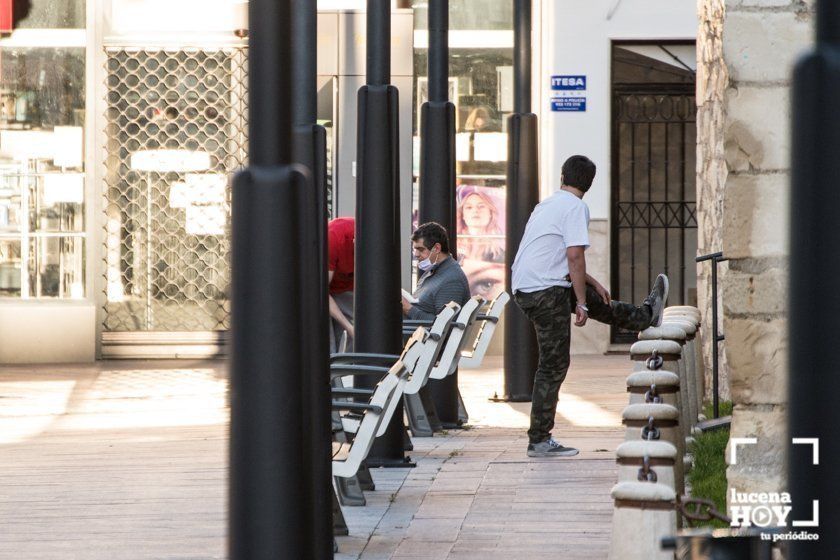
(437, 172)
(309, 149)
(378, 314)
(269, 485)
(814, 268)
(522, 195)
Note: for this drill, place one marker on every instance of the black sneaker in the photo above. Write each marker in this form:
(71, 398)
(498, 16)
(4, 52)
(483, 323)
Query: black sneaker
(550, 448)
(657, 299)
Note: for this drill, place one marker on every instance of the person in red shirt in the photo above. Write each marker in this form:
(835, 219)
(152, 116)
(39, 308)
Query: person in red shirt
(341, 242)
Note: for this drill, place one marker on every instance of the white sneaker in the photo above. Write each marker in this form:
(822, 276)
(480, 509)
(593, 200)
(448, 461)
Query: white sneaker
(550, 448)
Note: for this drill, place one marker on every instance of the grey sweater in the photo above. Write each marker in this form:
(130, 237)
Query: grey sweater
(439, 285)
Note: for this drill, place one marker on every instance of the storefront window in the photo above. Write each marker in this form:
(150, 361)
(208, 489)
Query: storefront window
(49, 14)
(42, 182)
(176, 131)
(480, 87)
(470, 14)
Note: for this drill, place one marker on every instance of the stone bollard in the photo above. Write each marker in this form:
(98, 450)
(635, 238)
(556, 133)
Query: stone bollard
(651, 383)
(656, 422)
(671, 353)
(668, 350)
(675, 334)
(683, 310)
(647, 461)
(689, 353)
(643, 514)
(655, 386)
(694, 360)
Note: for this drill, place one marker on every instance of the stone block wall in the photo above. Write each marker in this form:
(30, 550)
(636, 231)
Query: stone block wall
(712, 81)
(761, 39)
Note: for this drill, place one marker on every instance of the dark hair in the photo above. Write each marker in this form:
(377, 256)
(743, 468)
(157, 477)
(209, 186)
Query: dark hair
(578, 172)
(431, 233)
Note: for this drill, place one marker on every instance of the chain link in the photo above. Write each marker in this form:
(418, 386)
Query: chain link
(704, 510)
(650, 432)
(655, 361)
(646, 474)
(652, 396)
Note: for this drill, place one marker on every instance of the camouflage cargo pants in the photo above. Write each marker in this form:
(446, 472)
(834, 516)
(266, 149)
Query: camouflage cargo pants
(550, 311)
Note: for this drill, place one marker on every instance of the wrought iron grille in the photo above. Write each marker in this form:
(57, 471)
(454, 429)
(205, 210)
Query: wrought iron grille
(176, 130)
(654, 226)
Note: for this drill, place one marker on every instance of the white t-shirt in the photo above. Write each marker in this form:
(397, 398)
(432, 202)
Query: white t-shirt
(557, 223)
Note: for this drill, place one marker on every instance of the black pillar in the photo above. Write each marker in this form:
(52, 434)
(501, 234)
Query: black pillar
(378, 314)
(269, 483)
(437, 172)
(522, 195)
(308, 149)
(814, 306)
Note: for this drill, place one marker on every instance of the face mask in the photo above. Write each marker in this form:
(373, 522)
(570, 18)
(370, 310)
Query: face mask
(426, 263)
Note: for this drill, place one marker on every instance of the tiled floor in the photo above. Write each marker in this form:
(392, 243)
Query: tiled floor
(475, 494)
(128, 460)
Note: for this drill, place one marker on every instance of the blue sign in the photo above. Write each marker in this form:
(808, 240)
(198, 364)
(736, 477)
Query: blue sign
(568, 104)
(568, 83)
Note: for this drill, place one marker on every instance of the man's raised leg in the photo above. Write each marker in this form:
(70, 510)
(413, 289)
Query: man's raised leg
(626, 315)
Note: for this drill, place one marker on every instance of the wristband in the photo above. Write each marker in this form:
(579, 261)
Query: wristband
(582, 306)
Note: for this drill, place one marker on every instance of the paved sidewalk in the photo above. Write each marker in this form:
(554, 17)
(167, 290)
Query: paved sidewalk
(128, 460)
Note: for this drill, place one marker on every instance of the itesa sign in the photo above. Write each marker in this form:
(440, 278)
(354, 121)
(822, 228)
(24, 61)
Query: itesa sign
(568, 93)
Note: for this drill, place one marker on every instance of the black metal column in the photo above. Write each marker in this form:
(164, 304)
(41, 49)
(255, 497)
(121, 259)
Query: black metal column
(378, 315)
(269, 484)
(814, 305)
(437, 172)
(309, 150)
(522, 195)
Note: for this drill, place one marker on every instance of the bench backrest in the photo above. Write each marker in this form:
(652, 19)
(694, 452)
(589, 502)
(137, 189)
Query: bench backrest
(411, 355)
(481, 332)
(433, 346)
(451, 353)
(386, 395)
(385, 391)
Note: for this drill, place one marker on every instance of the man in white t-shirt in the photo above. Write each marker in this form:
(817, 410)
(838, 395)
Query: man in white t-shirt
(549, 283)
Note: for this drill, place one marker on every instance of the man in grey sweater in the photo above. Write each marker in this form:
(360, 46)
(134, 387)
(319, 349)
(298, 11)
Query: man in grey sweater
(442, 280)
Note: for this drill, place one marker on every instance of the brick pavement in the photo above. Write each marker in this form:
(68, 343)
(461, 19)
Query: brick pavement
(127, 460)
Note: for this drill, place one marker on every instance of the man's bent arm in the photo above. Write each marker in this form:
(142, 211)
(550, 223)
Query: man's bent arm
(415, 313)
(577, 272)
(335, 311)
(591, 281)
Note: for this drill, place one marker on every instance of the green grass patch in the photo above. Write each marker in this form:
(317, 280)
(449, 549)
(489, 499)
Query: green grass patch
(708, 477)
(724, 408)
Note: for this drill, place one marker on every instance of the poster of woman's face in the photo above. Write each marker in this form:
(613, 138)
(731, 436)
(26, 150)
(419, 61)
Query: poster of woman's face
(481, 238)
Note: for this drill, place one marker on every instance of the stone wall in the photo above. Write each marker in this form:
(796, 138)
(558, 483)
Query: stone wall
(712, 81)
(761, 41)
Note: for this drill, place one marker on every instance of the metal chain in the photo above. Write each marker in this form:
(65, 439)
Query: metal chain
(646, 474)
(655, 361)
(650, 431)
(704, 510)
(652, 396)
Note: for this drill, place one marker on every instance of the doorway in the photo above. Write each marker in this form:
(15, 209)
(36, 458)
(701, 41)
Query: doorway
(654, 214)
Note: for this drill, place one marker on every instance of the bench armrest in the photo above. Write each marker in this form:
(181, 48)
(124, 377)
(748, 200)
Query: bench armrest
(363, 358)
(352, 392)
(417, 322)
(490, 318)
(359, 407)
(341, 370)
(408, 331)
